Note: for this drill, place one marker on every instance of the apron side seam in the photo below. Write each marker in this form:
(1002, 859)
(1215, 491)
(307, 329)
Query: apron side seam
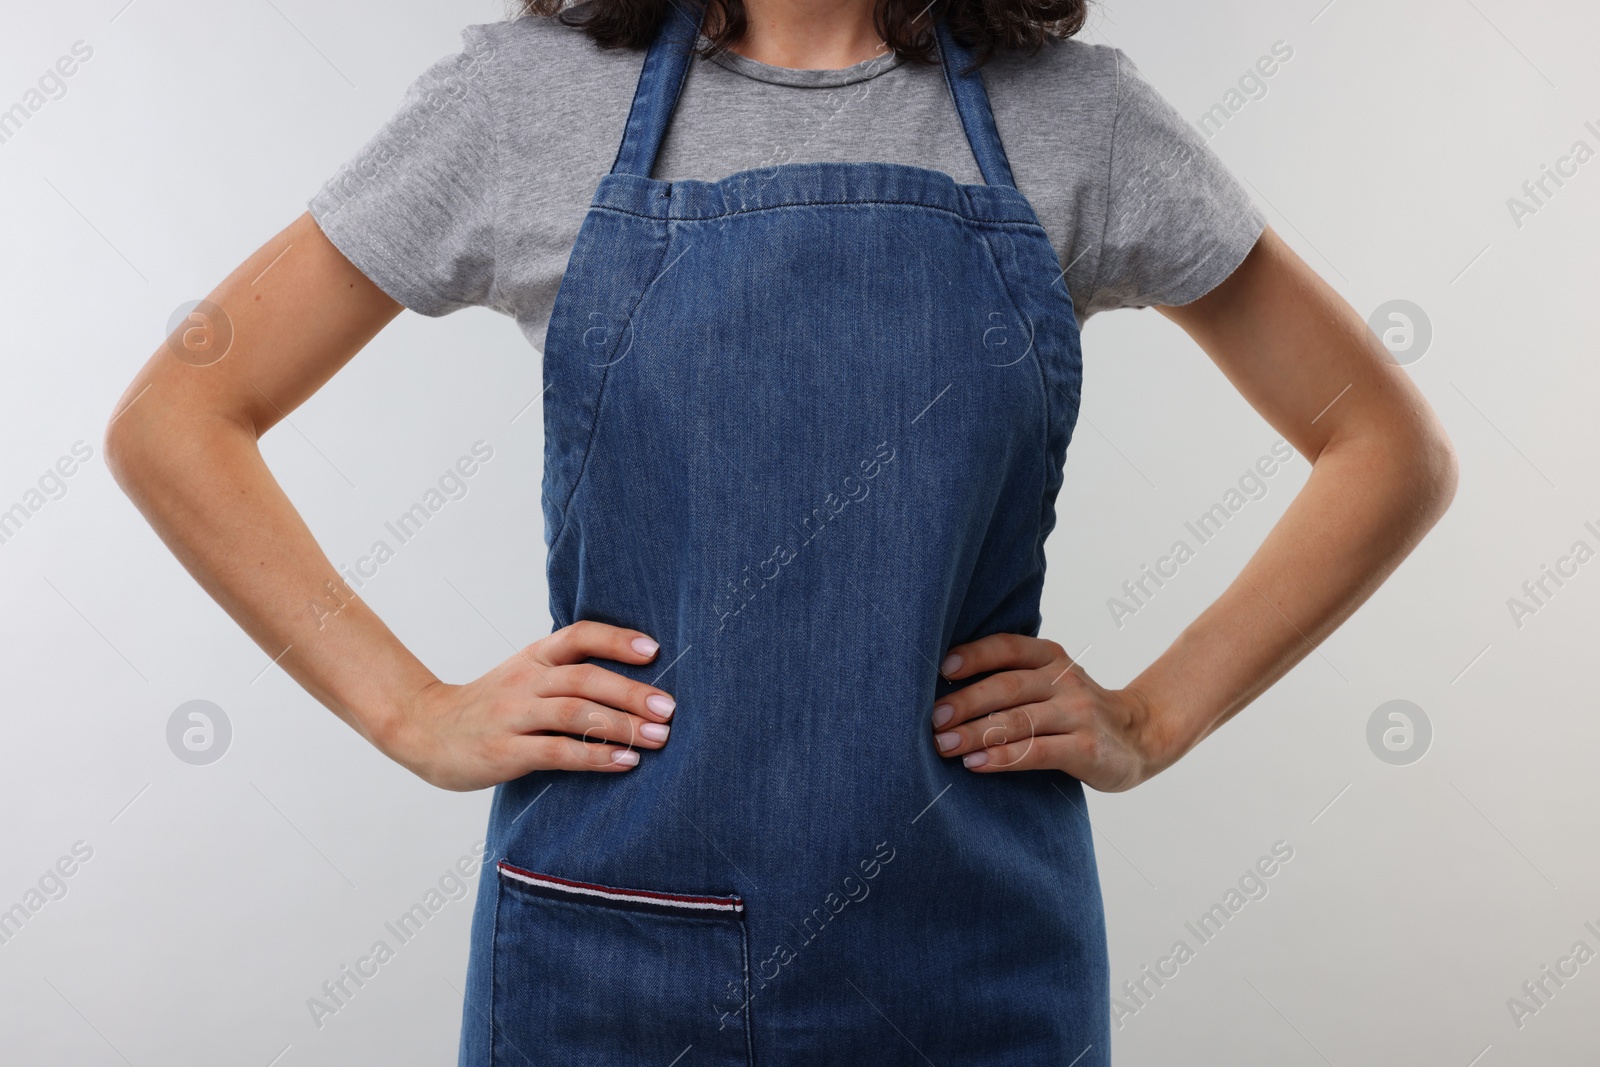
(600, 395)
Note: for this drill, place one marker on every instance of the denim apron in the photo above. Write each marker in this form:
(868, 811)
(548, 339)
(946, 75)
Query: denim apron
(805, 426)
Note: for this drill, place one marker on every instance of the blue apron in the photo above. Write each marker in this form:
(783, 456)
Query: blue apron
(805, 427)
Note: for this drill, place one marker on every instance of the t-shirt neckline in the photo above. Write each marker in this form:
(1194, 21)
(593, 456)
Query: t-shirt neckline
(809, 79)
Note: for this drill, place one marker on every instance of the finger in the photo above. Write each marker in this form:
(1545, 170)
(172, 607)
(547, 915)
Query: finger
(1008, 689)
(553, 752)
(999, 652)
(593, 722)
(1010, 726)
(596, 683)
(1044, 752)
(586, 637)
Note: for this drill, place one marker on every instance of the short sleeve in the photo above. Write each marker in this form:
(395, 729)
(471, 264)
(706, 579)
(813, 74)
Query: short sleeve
(415, 208)
(1177, 222)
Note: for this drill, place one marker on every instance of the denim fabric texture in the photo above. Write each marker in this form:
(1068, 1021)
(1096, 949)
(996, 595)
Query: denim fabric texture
(806, 428)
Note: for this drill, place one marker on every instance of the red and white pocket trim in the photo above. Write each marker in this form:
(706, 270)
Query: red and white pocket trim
(634, 899)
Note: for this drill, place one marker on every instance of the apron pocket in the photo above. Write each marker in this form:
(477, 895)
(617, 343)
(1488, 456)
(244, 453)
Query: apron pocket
(596, 976)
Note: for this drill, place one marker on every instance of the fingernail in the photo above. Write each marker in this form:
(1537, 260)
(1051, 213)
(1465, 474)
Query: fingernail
(951, 663)
(655, 731)
(644, 646)
(661, 705)
(942, 714)
(947, 741)
(627, 757)
(975, 759)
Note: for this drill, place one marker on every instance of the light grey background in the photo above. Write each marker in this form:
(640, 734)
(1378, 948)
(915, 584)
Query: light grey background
(219, 897)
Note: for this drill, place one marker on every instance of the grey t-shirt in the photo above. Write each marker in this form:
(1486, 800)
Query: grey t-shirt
(472, 194)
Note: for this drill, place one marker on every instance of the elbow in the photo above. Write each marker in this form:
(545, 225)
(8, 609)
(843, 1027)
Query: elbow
(1413, 464)
(150, 440)
(1438, 472)
(116, 447)
(128, 443)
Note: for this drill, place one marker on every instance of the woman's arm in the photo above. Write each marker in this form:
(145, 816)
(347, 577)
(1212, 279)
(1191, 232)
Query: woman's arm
(182, 444)
(1383, 472)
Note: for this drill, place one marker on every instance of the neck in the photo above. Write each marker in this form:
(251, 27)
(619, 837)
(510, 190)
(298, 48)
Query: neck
(806, 34)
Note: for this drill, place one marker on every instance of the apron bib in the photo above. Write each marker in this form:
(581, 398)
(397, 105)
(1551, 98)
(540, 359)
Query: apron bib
(805, 427)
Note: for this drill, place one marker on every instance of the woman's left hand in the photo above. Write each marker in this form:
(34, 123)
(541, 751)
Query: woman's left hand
(1040, 711)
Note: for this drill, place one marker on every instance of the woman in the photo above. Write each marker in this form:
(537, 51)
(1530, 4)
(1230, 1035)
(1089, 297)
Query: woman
(811, 371)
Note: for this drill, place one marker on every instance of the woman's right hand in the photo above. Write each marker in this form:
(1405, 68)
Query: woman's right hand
(184, 443)
(542, 709)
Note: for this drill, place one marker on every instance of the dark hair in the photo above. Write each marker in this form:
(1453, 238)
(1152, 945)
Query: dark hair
(985, 26)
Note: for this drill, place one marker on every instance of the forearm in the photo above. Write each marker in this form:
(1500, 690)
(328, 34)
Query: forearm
(201, 482)
(1361, 512)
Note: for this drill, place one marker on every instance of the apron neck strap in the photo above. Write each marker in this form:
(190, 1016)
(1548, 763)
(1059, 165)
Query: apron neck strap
(666, 65)
(972, 104)
(660, 81)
